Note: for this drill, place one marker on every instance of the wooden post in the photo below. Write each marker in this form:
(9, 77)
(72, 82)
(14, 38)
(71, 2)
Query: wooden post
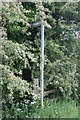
(38, 23)
(42, 63)
(36, 85)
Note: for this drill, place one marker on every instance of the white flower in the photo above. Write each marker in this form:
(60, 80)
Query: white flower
(61, 89)
(56, 82)
(22, 82)
(6, 56)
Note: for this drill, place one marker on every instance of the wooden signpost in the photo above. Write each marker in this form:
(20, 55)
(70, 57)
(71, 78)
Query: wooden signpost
(36, 24)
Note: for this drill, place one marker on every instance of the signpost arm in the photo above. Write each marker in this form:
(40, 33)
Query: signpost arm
(42, 63)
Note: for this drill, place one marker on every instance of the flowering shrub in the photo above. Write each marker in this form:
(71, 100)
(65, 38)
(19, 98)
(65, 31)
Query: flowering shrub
(61, 75)
(14, 13)
(13, 55)
(16, 91)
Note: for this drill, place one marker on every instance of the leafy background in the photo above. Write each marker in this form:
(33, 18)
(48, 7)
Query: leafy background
(21, 52)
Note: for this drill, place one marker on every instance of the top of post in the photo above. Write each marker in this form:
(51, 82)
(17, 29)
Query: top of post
(36, 24)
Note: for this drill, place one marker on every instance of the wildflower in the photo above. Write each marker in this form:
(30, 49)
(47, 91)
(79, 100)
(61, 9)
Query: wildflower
(61, 89)
(22, 82)
(57, 82)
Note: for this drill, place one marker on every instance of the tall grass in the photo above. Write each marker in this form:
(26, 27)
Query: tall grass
(57, 110)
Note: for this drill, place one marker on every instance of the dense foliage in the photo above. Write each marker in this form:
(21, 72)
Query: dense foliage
(21, 50)
(16, 92)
